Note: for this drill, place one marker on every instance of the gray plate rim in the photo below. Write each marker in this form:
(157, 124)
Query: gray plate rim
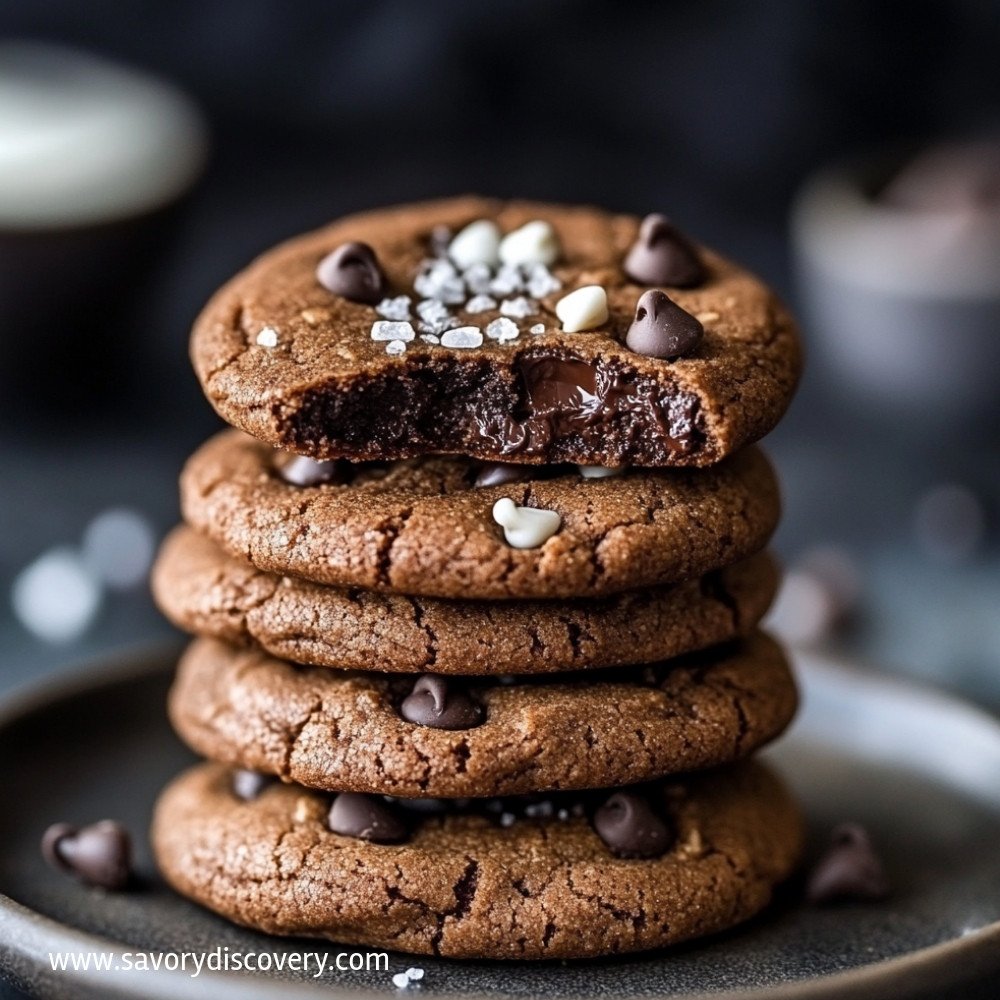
(29, 936)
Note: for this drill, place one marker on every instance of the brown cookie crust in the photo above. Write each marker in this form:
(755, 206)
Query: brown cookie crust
(421, 528)
(464, 887)
(327, 390)
(205, 591)
(343, 731)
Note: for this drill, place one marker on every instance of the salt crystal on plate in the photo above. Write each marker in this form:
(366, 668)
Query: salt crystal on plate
(519, 307)
(502, 330)
(395, 347)
(401, 980)
(507, 819)
(480, 304)
(415, 974)
(464, 336)
(384, 329)
(397, 308)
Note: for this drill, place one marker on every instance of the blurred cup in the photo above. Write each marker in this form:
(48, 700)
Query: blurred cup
(94, 158)
(898, 271)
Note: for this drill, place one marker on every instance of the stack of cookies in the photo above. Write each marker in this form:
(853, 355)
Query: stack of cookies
(475, 583)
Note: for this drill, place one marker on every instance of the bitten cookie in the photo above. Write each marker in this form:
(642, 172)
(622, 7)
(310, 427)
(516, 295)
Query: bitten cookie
(533, 339)
(452, 738)
(205, 591)
(424, 527)
(537, 880)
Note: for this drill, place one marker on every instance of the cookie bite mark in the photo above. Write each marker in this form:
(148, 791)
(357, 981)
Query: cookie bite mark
(548, 406)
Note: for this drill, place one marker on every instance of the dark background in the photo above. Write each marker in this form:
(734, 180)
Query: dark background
(711, 111)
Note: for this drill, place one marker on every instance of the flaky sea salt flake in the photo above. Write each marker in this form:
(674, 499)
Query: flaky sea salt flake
(463, 336)
(519, 307)
(507, 281)
(537, 328)
(541, 282)
(430, 338)
(395, 348)
(480, 304)
(268, 337)
(384, 329)
(502, 330)
(477, 278)
(396, 309)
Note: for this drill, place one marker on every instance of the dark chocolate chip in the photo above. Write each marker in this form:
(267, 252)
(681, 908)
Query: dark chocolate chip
(661, 329)
(502, 473)
(99, 854)
(247, 785)
(439, 704)
(663, 256)
(630, 828)
(352, 271)
(850, 869)
(298, 470)
(366, 818)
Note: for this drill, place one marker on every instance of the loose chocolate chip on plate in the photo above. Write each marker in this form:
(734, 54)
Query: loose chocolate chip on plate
(99, 855)
(352, 271)
(663, 256)
(439, 704)
(630, 828)
(502, 473)
(661, 329)
(366, 818)
(298, 470)
(247, 785)
(850, 869)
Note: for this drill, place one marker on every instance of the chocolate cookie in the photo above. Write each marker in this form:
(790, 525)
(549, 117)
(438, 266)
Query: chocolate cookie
(422, 526)
(531, 882)
(369, 340)
(451, 737)
(205, 591)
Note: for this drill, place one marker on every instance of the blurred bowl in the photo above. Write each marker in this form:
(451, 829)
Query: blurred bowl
(94, 160)
(901, 302)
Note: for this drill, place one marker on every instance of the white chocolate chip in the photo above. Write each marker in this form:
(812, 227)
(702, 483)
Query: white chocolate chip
(268, 337)
(534, 243)
(599, 471)
(385, 329)
(477, 243)
(463, 336)
(525, 527)
(583, 309)
(707, 317)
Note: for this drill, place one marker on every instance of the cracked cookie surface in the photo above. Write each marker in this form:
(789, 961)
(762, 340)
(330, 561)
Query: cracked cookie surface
(464, 886)
(343, 731)
(295, 365)
(420, 527)
(205, 591)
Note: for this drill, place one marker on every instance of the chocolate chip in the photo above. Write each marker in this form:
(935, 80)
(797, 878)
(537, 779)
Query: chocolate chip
(630, 828)
(437, 703)
(352, 271)
(661, 329)
(99, 854)
(298, 470)
(850, 869)
(366, 818)
(247, 785)
(663, 256)
(502, 473)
